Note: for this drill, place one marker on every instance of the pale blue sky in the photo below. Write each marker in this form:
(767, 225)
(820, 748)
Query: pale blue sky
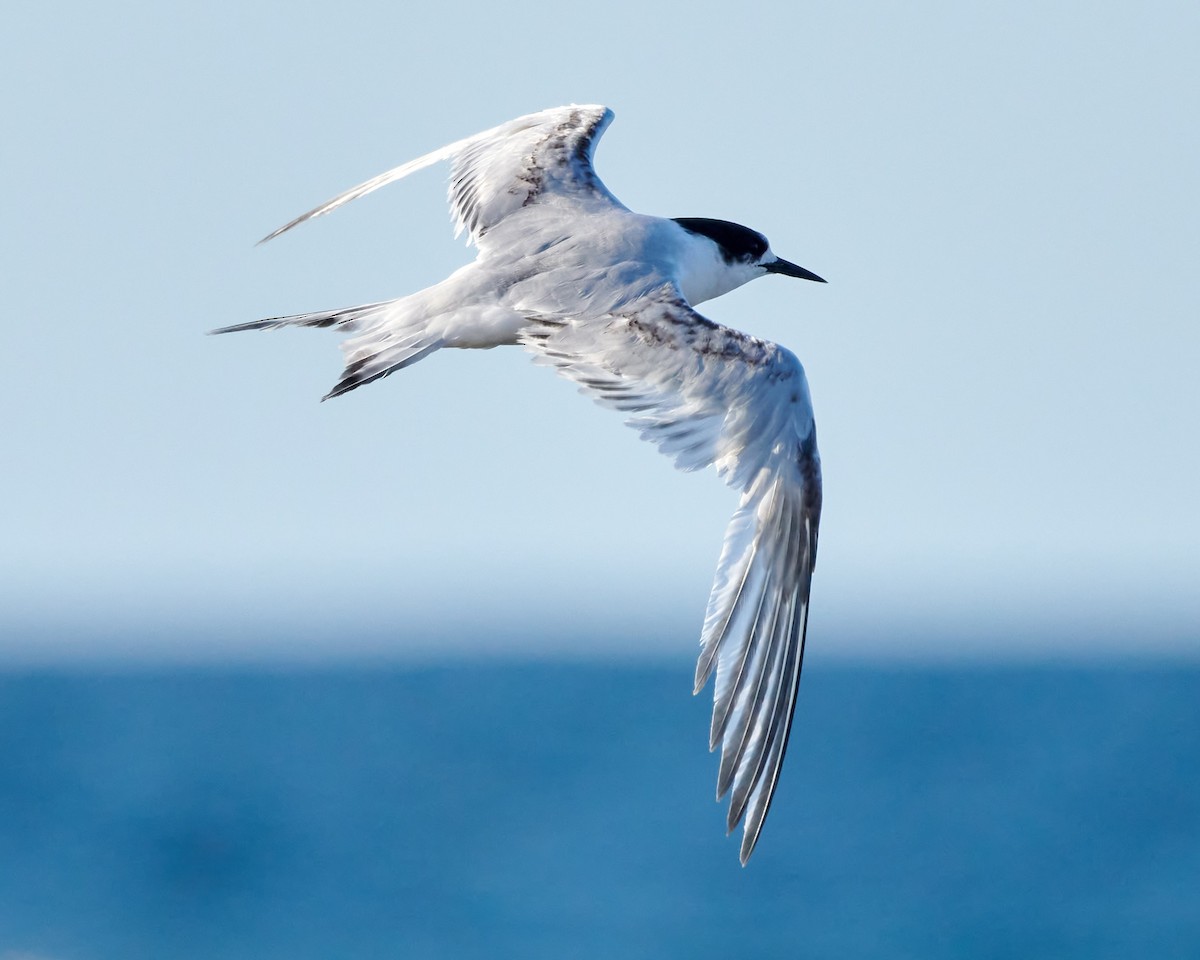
(1004, 363)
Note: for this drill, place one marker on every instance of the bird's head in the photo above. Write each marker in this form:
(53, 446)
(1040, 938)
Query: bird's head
(742, 255)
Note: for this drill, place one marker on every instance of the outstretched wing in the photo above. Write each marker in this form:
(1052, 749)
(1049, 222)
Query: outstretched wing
(706, 394)
(494, 173)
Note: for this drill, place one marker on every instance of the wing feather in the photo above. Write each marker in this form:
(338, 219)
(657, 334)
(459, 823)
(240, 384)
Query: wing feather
(501, 170)
(708, 395)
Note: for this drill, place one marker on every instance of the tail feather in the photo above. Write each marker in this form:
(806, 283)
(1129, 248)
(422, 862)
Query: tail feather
(379, 359)
(346, 319)
(390, 337)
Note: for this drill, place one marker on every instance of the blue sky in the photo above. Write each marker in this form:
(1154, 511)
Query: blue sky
(1004, 363)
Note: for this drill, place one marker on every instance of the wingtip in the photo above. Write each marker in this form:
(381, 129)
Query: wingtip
(274, 233)
(749, 843)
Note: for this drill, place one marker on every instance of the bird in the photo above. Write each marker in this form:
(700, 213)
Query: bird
(607, 297)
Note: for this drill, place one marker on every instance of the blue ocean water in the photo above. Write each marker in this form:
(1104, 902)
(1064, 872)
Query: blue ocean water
(550, 810)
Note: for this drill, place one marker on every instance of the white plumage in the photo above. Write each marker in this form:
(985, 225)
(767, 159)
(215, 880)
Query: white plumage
(606, 297)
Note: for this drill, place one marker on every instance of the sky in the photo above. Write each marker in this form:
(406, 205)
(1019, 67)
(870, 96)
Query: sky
(1003, 364)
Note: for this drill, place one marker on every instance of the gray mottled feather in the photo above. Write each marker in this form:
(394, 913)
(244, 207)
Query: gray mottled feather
(708, 395)
(501, 170)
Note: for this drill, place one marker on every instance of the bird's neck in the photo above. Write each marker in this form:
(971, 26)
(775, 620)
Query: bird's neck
(703, 272)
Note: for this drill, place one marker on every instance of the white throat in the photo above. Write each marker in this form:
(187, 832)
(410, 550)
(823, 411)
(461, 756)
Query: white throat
(704, 273)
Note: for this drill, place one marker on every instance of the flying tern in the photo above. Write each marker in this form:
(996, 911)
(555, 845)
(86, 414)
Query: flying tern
(606, 296)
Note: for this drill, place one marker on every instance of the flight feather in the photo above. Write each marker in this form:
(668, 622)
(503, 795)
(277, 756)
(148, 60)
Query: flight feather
(708, 395)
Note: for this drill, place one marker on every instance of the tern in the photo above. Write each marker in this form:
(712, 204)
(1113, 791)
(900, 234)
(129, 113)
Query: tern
(606, 296)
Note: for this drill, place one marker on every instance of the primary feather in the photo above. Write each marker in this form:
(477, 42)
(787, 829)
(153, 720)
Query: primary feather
(706, 394)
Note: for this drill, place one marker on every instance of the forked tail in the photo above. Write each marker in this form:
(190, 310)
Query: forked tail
(387, 339)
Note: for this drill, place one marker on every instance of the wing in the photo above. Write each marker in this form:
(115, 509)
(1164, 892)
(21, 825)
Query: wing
(494, 173)
(706, 394)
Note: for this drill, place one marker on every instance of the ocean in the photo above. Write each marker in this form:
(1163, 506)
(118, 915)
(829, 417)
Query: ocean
(559, 810)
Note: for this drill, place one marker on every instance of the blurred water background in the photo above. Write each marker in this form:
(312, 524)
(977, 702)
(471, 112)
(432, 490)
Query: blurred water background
(407, 674)
(532, 809)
